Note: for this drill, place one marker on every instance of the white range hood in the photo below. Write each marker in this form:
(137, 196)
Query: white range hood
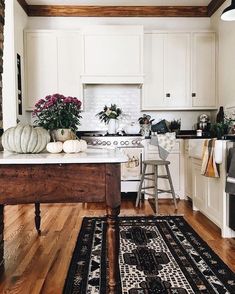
(113, 55)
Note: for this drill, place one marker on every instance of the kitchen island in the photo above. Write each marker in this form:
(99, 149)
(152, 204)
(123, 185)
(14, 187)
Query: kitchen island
(92, 176)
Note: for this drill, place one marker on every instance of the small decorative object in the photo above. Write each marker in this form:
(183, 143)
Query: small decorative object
(220, 115)
(74, 146)
(109, 116)
(25, 139)
(54, 147)
(132, 128)
(175, 125)
(57, 112)
(145, 122)
(62, 135)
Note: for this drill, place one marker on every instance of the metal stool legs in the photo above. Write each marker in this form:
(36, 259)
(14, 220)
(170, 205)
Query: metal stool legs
(156, 187)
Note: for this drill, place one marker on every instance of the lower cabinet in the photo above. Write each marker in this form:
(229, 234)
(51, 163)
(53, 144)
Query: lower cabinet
(175, 170)
(207, 194)
(188, 171)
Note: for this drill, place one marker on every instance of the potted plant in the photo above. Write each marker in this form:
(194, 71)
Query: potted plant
(109, 116)
(175, 125)
(145, 122)
(58, 114)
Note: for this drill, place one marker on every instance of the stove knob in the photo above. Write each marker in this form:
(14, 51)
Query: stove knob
(104, 143)
(133, 142)
(138, 142)
(127, 143)
(122, 142)
(99, 142)
(108, 143)
(115, 143)
(94, 142)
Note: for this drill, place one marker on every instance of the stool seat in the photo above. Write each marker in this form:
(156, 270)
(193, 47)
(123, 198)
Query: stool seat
(156, 162)
(155, 176)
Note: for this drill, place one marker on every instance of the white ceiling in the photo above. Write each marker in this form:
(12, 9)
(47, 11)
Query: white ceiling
(122, 2)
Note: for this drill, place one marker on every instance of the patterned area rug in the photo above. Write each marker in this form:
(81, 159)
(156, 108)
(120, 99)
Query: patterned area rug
(157, 255)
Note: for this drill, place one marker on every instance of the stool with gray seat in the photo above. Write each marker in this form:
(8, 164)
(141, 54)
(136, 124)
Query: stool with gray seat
(154, 176)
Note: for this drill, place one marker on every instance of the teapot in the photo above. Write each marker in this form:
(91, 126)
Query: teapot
(132, 128)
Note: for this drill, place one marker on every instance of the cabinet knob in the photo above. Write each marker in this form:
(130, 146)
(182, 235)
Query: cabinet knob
(168, 95)
(194, 94)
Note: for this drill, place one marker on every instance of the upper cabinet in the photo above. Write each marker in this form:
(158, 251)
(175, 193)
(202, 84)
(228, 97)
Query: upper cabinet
(203, 70)
(53, 64)
(179, 71)
(113, 51)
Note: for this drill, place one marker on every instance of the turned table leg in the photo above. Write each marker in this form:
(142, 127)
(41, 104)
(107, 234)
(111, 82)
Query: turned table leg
(113, 248)
(1, 239)
(37, 217)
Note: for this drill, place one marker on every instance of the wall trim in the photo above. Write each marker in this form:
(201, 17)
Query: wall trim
(214, 6)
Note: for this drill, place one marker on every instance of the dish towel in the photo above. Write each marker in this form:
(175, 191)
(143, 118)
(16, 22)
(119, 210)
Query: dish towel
(209, 167)
(230, 183)
(165, 143)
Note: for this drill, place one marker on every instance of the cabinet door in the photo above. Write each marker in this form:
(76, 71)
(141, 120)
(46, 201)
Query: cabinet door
(199, 186)
(41, 66)
(153, 91)
(111, 54)
(177, 70)
(69, 64)
(213, 205)
(203, 70)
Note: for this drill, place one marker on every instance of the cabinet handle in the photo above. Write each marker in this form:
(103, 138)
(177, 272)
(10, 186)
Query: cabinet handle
(168, 95)
(194, 94)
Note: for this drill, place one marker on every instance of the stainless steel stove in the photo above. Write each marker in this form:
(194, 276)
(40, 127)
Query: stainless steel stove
(131, 145)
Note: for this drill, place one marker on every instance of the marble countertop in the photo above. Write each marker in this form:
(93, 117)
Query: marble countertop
(90, 156)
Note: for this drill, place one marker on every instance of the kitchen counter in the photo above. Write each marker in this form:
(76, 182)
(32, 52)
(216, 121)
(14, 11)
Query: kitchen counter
(92, 155)
(92, 176)
(192, 137)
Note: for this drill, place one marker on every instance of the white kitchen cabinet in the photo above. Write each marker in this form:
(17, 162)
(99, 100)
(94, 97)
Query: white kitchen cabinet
(53, 64)
(41, 66)
(113, 51)
(177, 70)
(203, 70)
(167, 71)
(207, 194)
(176, 169)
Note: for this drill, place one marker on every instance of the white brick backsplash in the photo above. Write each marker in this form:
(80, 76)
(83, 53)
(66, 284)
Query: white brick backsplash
(128, 98)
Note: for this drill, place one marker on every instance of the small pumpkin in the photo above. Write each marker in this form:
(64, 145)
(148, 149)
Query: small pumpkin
(83, 144)
(72, 146)
(54, 147)
(25, 139)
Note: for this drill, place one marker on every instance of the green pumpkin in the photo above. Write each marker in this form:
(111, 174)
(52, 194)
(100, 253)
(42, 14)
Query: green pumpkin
(25, 139)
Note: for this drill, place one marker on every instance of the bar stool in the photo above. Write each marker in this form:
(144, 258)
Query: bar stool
(147, 176)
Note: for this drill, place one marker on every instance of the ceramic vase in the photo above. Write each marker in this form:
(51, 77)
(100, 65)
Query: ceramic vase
(112, 126)
(62, 135)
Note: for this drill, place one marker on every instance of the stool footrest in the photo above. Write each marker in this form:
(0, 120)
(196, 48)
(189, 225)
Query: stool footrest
(164, 191)
(163, 177)
(150, 179)
(144, 188)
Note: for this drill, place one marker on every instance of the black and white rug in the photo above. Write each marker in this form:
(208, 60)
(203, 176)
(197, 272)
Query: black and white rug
(157, 255)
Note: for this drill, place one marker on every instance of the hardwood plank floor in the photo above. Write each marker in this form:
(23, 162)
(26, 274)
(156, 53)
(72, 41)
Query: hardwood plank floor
(39, 264)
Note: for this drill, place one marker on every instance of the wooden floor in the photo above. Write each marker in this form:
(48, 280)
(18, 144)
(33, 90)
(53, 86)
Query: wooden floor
(38, 264)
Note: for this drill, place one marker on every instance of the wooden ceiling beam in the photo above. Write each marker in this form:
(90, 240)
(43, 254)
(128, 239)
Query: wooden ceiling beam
(213, 6)
(117, 11)
(24, 5)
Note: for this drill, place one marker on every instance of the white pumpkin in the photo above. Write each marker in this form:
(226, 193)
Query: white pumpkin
(83, 145)
(25, 139)
(54, 147)
(72, 146)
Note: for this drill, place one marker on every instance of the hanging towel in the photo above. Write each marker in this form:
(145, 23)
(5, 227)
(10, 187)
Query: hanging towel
(230, 183)
(209, 167)
(165, 143)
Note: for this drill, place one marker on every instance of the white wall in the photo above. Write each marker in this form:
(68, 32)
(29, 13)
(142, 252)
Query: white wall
(226, 60)
(15, 21)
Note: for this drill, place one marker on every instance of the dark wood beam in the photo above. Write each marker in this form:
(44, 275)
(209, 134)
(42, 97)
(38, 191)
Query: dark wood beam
(24, 5)
(213, 6)
(117, 11)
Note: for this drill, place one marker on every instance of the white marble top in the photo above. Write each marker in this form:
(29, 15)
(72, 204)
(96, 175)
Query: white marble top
(90, 156)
